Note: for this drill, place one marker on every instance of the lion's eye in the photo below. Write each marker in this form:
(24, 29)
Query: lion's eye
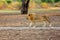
(29, 14)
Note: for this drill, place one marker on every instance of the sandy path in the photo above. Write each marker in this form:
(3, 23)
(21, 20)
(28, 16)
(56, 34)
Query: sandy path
(29, 34)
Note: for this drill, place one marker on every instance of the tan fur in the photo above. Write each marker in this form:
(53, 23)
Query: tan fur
(37, 17)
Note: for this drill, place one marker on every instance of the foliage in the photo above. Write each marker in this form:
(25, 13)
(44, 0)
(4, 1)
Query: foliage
(48, 1)
(19, 0)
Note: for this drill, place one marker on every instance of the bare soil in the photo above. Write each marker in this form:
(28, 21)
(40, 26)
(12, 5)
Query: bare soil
(21, 21)
(29, 34)
(13, 20)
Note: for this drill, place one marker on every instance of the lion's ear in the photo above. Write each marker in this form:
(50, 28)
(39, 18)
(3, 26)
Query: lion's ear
(29, 14)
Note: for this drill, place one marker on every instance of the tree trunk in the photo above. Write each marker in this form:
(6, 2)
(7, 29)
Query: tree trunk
(25, 5)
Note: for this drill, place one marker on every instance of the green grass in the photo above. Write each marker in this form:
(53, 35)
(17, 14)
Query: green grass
(9, 10)
(44, 9)
(33, 10)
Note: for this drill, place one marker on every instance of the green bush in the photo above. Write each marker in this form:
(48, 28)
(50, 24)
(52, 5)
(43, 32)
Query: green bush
(48, 1)
(19, 0)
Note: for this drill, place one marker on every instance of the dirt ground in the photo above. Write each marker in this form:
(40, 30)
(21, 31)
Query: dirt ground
(13, 20)
(21, 20)
(29, 34)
